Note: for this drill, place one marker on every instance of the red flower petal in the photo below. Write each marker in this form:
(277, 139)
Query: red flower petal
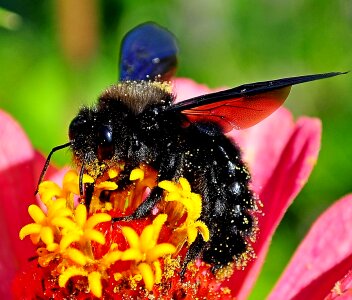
(16, 193)
(288, 177)
(324, 256)
(38, 164)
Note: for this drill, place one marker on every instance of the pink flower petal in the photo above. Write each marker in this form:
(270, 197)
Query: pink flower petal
(324, 256)
(342, 289)
(185, 88)
(16, 193)
(288, 177)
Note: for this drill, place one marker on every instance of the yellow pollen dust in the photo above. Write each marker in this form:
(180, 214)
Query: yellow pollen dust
(165, 85)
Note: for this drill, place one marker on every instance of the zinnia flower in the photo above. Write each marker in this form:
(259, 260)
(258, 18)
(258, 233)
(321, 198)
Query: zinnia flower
(83, 254)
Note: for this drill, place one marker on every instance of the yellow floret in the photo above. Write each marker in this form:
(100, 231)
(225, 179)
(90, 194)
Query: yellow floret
(145, 251)
(192, 203)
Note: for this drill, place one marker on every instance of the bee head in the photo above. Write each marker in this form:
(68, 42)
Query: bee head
(94, 134)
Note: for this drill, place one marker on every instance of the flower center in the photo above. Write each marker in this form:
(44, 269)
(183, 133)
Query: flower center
(82, 250)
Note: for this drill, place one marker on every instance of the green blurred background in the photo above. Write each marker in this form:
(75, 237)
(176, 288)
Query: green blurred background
(57, 55)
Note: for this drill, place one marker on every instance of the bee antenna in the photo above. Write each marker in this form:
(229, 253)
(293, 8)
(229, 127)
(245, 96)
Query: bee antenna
(81, 172)
(46, 166)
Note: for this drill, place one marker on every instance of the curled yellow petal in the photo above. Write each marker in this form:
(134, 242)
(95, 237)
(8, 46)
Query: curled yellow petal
(160, 250)
(131, 237)
(36, 214)
(185, 185)
(137, 174)
(87, 179)
(157, 272)
(173, 196)
(28, 229)
(62, 212)
(192, 233)
(94, 235)
(147, 274)
(64, 222)
(57, 208)
(158, 222)
(71, 176)
(76, 256)
(203, 229)
(107, 185)
(147, 240)
(47, 235)
(52, 247)
(112, 173)
(48, 190)
(96, 219)
(81, 215)
(71, 187)
(94, 282)
(68, 239)
(70, 272)
(112, 257)
(132, 254)
(167, 186)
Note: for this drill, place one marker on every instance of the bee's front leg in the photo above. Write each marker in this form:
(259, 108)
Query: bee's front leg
(167, 171)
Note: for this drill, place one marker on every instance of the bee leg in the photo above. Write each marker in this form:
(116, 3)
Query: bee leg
(167, 170)
(88, 194)
(193, 252)
(145, 208)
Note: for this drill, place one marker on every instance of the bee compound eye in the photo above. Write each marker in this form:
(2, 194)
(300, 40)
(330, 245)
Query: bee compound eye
(105, 142)
(76, 126)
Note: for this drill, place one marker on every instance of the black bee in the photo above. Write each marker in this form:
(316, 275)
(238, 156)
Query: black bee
(136, 121)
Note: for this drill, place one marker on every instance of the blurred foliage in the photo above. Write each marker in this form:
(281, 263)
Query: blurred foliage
(222, 43)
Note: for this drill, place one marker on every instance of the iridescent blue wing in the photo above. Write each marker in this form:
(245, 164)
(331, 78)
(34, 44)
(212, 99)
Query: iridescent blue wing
(148, 51)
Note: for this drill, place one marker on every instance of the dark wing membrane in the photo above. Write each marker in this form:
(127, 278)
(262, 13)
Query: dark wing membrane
(243, 106)
(148, 51)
